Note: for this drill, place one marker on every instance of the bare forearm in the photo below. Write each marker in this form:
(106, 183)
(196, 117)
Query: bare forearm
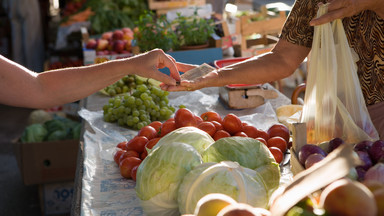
(71, 84)
(24, 88)
(257, 70)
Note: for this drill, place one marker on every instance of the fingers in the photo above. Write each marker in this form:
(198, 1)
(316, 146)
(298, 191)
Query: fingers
(158, 75)
(168, 61)
(326, 18)
(183, 67)
(184, 86)
(337, 9)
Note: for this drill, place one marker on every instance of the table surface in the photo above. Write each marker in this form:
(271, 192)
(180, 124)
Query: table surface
(98, 181)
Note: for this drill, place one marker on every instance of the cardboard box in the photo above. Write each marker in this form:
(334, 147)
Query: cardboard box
(299, 138)
(46, 162)
(56, 198)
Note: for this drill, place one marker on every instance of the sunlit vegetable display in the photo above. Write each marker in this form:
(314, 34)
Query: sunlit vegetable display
(193, 136)
(242, 184)
(160, 174)
(248, 152)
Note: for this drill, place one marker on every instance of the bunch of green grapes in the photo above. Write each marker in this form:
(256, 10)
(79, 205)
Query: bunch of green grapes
(125, 84)
(135, 110)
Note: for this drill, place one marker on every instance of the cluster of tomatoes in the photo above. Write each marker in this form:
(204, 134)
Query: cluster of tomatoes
(131, 153)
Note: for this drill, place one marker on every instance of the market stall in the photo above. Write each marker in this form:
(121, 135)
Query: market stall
(100, 189)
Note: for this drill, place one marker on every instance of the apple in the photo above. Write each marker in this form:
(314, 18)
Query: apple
(117, 35)
(102, 45)
(118, 46)
(91, 44)
(127, 31)
(128, 45)
(106, 35)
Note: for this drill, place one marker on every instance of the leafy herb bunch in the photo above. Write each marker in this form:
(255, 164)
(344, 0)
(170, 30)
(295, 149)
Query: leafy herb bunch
(114, 14)
(193, 30)
(154, 32)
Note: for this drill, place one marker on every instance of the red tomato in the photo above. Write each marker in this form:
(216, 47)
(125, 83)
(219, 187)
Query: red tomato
(127, 165)
(143, 155)
(122, 145)
(289, 145)
(251, 131)
(184, 117)
(232, 124)
(278, 142)
(129, 153)
(147, 131)
(244, 124)
(279, 130)
(277, 154)
(220, 134)
(198, 119)
(134, 172)
(151, 143)
(262, 140)
(241, 133)
(156, 125)
(117, 154)
(137, 144)
(263, 134)
(167, 127)
(211, 116)
(208, 127)
(218, 125)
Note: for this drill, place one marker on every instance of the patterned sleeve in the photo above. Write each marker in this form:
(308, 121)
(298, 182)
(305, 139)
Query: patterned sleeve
(296, 29)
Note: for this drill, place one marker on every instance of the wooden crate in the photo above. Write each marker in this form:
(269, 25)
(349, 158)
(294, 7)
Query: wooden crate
(162, 7)
(268, 26)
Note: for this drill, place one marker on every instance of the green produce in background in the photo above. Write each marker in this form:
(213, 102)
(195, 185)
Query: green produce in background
(34, 133)
(155, 32)
(114, 14)
(59, 128)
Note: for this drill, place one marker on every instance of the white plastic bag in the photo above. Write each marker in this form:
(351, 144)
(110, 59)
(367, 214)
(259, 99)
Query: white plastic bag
(334, 105)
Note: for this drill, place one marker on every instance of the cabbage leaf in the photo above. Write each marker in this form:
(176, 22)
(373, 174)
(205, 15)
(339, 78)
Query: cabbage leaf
(227, 177)
(248, 152)
(160, 174)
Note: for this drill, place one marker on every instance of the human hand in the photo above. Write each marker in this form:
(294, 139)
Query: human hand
(194, 84)
(149, 63)
(338, 9)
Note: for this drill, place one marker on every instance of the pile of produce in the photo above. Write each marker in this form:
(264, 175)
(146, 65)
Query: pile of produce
(371, 153)
(360, 193)
(118, 41)
(137, 104)
(177, 162)
(45, 127)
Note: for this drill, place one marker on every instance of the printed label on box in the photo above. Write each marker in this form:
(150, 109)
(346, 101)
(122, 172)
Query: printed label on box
(57, 198)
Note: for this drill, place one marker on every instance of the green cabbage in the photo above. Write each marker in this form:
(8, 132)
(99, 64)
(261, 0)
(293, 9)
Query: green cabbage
(160, 174)
(248, 152)
(193, 136)
(34, 133)
(242, 184)
(39, 117)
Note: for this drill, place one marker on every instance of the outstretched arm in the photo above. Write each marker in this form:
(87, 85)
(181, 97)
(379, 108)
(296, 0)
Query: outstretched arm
(281, 62)
(24, 88)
